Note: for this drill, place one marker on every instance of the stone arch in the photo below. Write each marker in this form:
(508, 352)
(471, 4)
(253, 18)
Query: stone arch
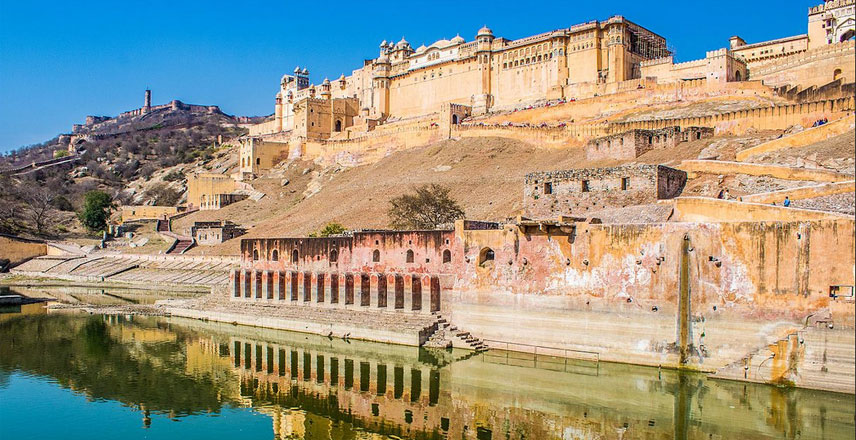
(847, 35)
(349, 288)
(455, 119)
(409, 256)
(334, 256)
(295, 255)
(415, 293)
(376, 256)
(274, 255)
(738, 76)
(399, 291)
(447, 256)
(365, 290)
(338, 127)
(486, 255)
(836, 74)
(435, 294)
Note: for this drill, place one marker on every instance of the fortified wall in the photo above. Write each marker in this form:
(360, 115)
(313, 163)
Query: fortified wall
(551, 194)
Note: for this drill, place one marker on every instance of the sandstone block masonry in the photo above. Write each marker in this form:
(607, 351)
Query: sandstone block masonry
(550, 194)
(634, 143)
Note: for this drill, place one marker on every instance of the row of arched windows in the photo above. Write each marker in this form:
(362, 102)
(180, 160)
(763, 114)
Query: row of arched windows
(334, 256)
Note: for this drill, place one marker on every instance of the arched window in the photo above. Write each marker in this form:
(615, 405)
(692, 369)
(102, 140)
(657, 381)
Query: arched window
(255, 255)
(485, 256)
(338, 125)
(274, 255)
(836, 74)
(455, 119)
(294, 256)
(334, 256)
(447, 256)
(409, 257)
(738, 76)
(376, 256)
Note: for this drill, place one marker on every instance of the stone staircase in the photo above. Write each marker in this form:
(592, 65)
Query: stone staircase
(448, 336)
(182, 243)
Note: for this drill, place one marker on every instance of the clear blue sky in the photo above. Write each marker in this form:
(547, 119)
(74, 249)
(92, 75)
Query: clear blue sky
(63, 60)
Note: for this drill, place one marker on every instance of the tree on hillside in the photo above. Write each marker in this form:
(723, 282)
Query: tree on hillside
(332, 228)
(96, 210)
(37, 203)
(427, 207)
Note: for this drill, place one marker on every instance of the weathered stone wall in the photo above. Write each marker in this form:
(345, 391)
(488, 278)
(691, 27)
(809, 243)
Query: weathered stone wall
(18, 250)
(615, 288)
(555, 193)
(145, 212)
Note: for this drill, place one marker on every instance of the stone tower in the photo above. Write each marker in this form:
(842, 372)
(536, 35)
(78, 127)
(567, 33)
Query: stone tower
(147, 105)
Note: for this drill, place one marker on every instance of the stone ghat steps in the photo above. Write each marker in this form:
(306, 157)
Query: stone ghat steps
(103, 267)
(42, 264)
(447, 335)
(153, 275)
(132, 269)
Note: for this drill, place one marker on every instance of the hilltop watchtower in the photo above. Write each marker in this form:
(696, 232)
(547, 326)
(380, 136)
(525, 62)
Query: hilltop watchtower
(147, 105)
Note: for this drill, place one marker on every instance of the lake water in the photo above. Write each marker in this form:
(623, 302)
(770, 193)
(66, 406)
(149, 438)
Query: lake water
(78, 376)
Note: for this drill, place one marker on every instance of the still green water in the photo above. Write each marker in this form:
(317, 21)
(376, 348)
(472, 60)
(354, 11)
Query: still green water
(80, 376)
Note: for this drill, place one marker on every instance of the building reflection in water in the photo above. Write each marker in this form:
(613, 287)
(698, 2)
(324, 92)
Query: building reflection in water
(318, 388)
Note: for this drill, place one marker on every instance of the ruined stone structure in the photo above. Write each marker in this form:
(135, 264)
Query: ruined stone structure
(211, 233)
(551, 194)
(634, 143)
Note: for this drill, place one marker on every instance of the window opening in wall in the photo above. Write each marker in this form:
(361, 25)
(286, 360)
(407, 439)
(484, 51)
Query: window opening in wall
(255, 255)
(376, 256)
(338, 126)
(334, 256)
(625, 183)
(258, 161)
(548, 187)
(409, 256)
(585, 186)
(294, 255)
(486, 255)
(447, 256)
(274, 255)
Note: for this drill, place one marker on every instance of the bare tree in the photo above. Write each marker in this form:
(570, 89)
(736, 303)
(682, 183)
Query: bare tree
(37, 205)
(427, 207)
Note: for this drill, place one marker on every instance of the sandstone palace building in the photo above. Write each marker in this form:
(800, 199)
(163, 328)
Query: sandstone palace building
(488, 72)
(457, 78)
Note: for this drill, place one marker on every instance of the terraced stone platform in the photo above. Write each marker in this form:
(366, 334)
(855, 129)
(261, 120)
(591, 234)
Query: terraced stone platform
(142, 270)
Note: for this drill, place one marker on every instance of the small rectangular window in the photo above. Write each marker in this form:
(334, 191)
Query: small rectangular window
(625, 183)
(585, 186)
(548, 188)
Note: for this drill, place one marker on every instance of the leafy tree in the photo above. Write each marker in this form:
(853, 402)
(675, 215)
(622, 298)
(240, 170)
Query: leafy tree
(96, 210)
(332, 228)
(60, 153)
(427, 207)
